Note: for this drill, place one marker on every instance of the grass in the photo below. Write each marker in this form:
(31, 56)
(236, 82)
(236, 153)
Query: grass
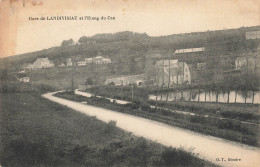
(38, 132)
(122, 92)
(228, 129)
(243, 112)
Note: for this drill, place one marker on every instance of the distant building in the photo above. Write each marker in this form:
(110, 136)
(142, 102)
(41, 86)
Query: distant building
(29, 67)
(101, 60)
(69, 62)
(21, 72)
(82, 63)
(253, 35)
(126, 80)
(201, 66)
(89, 60)
(98, 60)
(62, 65)
(245, 63)
(172, 72)
(25, 79)
(42, 63)
(106, 61)
(22, 78)
(190, 50)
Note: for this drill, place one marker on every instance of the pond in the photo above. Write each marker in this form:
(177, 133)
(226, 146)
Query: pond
(209, 96)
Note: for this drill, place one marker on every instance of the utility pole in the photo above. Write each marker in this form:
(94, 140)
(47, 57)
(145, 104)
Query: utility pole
(162, 78)
(132, 92)
(169, 72)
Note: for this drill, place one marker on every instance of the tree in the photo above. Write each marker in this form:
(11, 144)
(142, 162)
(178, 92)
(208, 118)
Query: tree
(132, 65)
(89, 81)
(83, 40)
(67, 42)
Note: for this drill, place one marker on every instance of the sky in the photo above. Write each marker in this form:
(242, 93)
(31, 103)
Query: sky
(20, 35)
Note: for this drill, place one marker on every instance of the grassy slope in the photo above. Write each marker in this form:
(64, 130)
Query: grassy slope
(37, 132)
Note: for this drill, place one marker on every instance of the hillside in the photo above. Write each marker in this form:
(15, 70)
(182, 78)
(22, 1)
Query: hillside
(134, 53)
(128, 44)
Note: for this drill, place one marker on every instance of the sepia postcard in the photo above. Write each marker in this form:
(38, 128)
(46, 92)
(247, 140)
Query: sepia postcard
(134, 83)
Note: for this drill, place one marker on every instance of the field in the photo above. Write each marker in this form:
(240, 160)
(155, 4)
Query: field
(231, 129)
(37, 132)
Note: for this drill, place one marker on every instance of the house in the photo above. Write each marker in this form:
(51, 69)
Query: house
(106, 61)
(98, 60)
(89, 60)
(253, 35)
(69, 62)
(101, 60)
(42, 63)
(20, 72)
(62, 65)
(82, 63)
(29, 67)
(25, 79)
(172, 72)
(245, 63)
(22, 77)
(126, 80)
(190, 50)
(201, 66)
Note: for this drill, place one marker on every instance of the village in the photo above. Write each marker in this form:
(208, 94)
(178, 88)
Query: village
(99, 83)
(206, 91)
(159, 70)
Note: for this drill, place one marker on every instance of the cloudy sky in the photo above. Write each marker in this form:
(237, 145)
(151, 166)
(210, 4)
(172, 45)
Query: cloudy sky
(19, 35)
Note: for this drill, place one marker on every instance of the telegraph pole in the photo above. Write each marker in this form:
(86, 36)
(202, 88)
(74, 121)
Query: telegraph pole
(132, 92)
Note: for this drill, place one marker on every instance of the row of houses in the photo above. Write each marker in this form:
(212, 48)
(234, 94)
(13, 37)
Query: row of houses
(175, 72)
(95, 60)
(40, 63)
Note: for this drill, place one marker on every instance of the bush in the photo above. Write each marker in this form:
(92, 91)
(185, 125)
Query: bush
(176, 157)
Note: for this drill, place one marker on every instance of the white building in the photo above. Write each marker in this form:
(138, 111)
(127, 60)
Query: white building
(190, 50)
(62, 65)
(69, 62)
(82, 63)
(243, 63)
(172, 72)
(126, 80)
(89, 60)
(24, 79)
(42, 63)
(29, 67)
(101, 60)
(106, 61)
(253, 35)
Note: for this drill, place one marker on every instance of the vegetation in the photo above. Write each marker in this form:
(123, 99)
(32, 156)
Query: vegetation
(243, 112)
(67, 42)
(122, 92)
(224, 128)
(37, 132)
(127, 45)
